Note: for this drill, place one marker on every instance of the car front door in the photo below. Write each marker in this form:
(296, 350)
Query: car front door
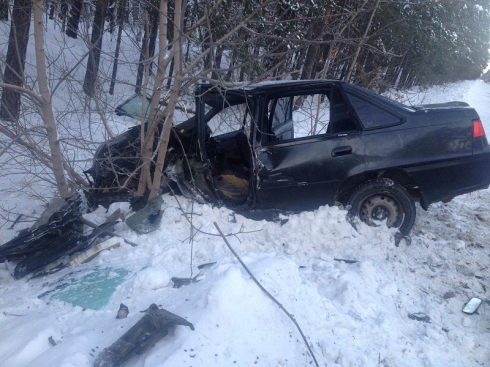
(303, 165)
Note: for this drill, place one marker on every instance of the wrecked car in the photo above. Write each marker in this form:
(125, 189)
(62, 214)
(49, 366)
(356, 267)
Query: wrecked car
(296, 145)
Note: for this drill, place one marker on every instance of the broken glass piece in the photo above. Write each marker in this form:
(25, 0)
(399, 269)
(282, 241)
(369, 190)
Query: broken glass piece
(472, 306)
(93, 290)
(148, 219)
(133, 107)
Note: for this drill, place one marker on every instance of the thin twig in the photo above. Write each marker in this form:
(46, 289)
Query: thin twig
(12, 314)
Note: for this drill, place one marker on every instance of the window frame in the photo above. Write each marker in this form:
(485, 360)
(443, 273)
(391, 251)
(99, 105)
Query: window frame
(248, 116)
(325, 90)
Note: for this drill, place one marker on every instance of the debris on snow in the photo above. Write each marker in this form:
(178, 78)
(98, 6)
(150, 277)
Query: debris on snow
(472, 306)
(123, 311)
(148, 219)
(92, 252)
(449, 295)
(152, 327)
(419, 316)
(347, 261)
(180, 282)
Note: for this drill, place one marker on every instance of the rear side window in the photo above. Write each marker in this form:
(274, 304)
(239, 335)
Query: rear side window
(372, 116)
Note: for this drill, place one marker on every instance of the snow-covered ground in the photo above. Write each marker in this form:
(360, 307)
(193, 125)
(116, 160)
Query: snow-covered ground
(352, 313)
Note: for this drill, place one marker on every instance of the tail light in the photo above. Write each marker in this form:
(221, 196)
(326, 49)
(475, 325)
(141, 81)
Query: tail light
(478, 130)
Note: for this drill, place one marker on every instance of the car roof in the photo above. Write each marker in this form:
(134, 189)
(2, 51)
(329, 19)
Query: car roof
(214, 95)
(266, 86)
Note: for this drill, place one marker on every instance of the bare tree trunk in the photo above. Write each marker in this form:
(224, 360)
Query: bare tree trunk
(74, 19)
(90, 80)
(46, 103)
(4, 10)
(217, 63)
(110, 14)
(121, 16)
(363, 41)
(154, 21)
(312, 53)
(16, 56)
(174, 95)
(311, 58)
(330, 54)
(153, 119)
(148, 44)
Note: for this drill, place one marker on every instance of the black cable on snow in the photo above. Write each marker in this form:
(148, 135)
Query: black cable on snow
(266, 292)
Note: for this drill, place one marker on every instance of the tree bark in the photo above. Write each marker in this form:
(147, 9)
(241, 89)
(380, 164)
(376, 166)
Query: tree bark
(148, 44)
(172, 102)
(362, 42)
(110, 15)
(148, 134)
(312, 53)
(16, 56)
(74, 19)
(4, 10)
(46, 103)
(121, 16)
(217, 63)
(90, 81)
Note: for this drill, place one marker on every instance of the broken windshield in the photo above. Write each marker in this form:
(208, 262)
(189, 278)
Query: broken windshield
(133, 107)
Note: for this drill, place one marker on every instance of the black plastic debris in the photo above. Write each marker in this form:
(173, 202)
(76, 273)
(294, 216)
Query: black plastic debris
(153, 326)
(180, 282)
(51, 341)
(347, 261)
(37, 247)
(52, 242)
(419, 316)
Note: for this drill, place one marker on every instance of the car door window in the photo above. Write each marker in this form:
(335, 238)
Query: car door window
(299, 116)
(307, 115)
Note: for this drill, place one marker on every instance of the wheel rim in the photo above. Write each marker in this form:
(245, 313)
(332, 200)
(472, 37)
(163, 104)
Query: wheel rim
(379, 208)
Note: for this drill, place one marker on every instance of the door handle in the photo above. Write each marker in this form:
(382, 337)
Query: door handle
(340, 151)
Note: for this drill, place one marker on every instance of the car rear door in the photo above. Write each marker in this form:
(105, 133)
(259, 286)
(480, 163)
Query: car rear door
(302, 166)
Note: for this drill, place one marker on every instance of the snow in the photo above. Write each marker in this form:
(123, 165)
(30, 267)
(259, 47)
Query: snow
(353, 313)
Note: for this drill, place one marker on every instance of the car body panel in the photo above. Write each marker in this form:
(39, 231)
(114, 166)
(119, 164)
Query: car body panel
(312, 169)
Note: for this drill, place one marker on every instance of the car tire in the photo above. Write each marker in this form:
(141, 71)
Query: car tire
(383, 200)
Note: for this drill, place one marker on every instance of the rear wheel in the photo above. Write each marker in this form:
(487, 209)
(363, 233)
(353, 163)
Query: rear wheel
(383, 200)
